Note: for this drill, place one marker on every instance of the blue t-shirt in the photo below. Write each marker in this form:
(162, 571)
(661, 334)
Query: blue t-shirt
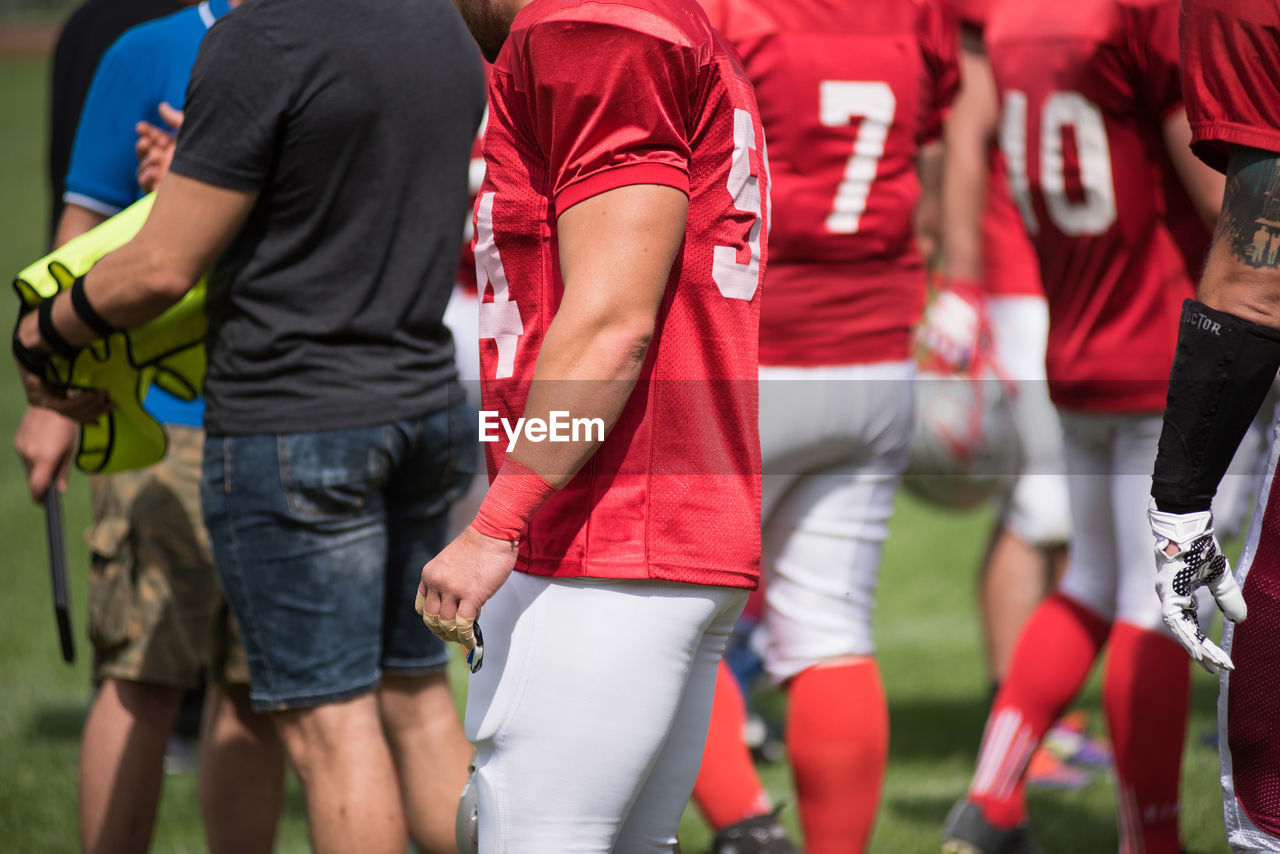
(147, 65)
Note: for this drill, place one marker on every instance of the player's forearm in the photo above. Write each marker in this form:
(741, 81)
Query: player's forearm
(928, 213)
(970, 129)
(126, 289)
(587, 370)
(963, 200)
(1228, 344)
(616, 252)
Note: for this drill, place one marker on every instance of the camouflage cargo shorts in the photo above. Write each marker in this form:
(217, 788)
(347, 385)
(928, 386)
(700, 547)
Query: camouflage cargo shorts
(156, 608)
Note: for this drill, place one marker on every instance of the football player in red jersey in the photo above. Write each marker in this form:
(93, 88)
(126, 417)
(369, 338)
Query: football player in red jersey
(853, 98)
(1094, 135)
(620, 245)
(1227, 355)
(993, 280)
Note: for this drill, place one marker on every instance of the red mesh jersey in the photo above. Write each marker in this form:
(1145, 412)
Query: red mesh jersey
(1231, 49)
(848, 92)
(1086, 87)
(587, 96)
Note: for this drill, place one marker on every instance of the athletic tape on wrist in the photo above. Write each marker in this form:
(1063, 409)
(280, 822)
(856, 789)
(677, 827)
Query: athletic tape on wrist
(1222, 370)
(87, 313)
(50, 333)
(513, 497)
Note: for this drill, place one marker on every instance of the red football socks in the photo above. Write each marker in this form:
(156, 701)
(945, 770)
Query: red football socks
(1054, 655)
(728, 789)
(838, 743)
(1146, 691)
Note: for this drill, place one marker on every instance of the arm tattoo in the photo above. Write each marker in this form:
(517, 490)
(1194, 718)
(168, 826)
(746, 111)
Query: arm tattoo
(1250, 221)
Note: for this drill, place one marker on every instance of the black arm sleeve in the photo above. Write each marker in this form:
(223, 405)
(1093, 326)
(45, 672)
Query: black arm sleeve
(1222, 370)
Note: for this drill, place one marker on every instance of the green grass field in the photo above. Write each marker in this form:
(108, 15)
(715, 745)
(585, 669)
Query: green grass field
(926, 630)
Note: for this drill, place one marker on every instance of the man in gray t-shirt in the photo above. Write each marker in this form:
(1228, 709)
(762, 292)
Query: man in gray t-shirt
(320, 178)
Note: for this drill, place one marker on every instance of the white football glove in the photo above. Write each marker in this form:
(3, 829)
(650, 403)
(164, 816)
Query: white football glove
(1199, 562)
(953, 327)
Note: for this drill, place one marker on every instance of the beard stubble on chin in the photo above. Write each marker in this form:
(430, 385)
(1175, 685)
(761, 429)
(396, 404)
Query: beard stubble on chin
(487, 25)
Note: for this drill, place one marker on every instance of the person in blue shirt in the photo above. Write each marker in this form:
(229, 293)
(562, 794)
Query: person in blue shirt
(157, 615)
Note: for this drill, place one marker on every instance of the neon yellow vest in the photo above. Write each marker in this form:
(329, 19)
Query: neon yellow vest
(168, 351)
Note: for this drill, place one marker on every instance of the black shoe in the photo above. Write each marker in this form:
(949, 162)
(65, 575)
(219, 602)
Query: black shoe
(760, 835)
(966, 832)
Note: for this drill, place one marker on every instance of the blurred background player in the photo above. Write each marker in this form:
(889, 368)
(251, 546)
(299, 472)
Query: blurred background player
(853, 98)
(1094, 137)
(1227, 355)
(992, 284)
(83, 39)
(158, 619)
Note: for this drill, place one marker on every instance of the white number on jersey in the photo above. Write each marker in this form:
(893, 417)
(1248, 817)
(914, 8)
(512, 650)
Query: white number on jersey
(839, 102)
(739, 281)
(500, 319)
(1097, 211)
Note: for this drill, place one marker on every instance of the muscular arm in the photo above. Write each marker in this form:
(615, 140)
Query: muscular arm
(616, 251)
(188, 227)
(974, 121)
(1203, 185)
(928, 213)
(1228, 344)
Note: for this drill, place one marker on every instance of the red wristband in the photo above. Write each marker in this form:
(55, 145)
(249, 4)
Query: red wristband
(514, 496)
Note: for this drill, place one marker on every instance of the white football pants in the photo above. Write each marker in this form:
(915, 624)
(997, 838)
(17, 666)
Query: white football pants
(834, 442)
(1111, 564)
(590, 712)
(1036, 508)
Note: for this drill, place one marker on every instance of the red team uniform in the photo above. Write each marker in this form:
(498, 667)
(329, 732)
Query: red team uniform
(1086, 88)
(673, 493)
(586, 97)
(1231, 69)
(848, 93)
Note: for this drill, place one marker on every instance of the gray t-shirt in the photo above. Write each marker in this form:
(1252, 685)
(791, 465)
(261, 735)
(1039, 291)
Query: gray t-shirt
(354, 120)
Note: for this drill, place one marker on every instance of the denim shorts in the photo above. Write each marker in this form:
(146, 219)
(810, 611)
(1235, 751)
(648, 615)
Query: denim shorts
(320, 539)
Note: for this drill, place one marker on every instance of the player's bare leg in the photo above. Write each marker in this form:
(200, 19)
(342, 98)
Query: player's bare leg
(430, 752)
(241, 774)
(1015, 577)
(348, 776)
(122, 764)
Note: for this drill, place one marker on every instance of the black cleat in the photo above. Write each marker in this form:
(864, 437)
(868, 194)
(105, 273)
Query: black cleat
(966, 832)
(760, 835)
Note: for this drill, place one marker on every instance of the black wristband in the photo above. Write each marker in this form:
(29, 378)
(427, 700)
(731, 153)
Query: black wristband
(50, 333)
(32, 361)
(1222, 370)
(87, 313)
